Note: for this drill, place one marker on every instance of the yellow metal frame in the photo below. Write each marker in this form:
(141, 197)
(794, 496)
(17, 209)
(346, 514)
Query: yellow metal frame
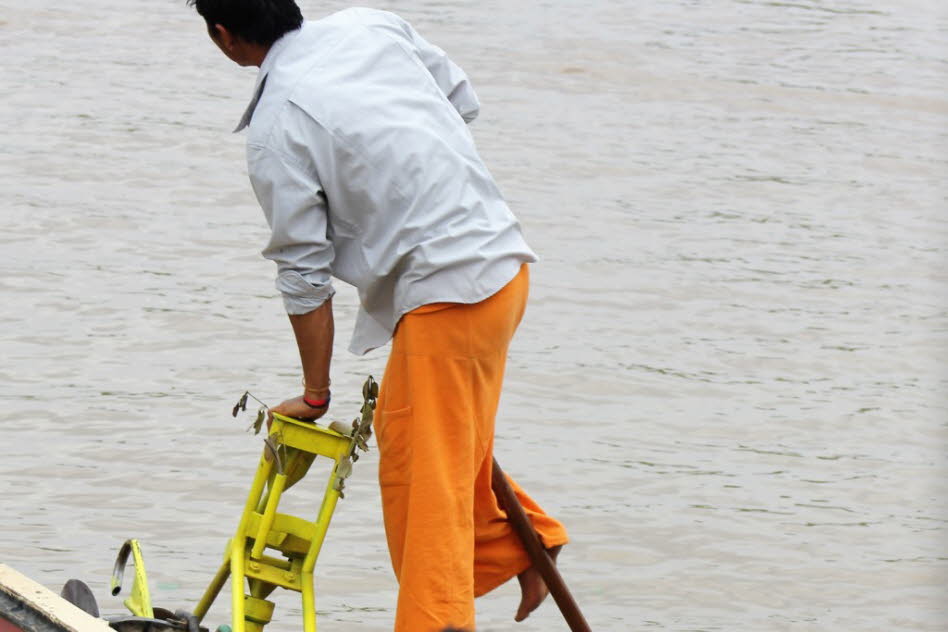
(139, 601)
(289, 451)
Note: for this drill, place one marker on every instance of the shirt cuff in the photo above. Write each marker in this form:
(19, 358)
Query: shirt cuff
(299, 295)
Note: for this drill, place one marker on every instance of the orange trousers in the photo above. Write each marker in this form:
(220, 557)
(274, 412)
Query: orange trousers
(449, 540)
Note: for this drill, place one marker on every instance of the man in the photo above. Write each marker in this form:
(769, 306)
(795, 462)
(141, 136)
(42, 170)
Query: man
(360, 157)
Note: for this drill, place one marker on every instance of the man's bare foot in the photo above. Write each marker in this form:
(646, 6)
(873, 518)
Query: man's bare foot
(533, 589)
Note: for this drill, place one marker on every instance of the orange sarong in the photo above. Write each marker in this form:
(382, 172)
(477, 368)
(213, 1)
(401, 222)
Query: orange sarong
(449, 540)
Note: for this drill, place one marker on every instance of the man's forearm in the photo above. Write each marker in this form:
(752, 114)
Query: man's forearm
(314, 334)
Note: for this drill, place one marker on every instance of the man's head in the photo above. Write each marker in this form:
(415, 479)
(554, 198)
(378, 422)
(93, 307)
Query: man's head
(244, 30)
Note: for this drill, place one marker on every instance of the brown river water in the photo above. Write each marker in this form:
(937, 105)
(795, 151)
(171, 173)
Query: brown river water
(731, 380)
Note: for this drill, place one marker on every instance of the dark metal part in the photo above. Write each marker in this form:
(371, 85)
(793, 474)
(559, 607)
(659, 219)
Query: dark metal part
(189, 619)
(164, 621)
(142, 624)
(118, 570)
(80, 595)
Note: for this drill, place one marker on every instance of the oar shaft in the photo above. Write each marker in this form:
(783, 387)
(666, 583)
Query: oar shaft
(541, 559)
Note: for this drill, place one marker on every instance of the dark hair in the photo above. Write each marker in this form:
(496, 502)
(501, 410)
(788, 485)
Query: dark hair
(257, 21)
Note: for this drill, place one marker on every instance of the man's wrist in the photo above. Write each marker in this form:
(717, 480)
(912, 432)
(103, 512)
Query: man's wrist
(321, 402)
(311, 390)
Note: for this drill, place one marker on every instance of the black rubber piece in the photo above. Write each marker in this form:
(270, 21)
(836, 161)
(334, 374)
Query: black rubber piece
(80, 595)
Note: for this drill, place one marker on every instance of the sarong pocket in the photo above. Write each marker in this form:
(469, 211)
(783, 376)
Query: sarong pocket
(394, 439)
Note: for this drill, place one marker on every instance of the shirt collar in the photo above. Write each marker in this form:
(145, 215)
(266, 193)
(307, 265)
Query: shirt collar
(275, 49)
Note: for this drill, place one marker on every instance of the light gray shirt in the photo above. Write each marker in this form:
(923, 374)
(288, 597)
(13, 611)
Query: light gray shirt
(359, 154)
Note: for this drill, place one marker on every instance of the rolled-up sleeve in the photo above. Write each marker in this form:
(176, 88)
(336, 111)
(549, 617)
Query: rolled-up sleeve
(292, 201)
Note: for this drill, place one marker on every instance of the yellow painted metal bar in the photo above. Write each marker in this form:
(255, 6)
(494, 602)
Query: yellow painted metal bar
(309, 603)
(322, 524)
(212, 591)
(267, 573)
(276, 562)
(266, 521)
(256, 491)
(237, 585)
(312, 438)
(289, 534)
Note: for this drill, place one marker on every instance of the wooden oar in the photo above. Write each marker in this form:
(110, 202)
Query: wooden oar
(541, 559)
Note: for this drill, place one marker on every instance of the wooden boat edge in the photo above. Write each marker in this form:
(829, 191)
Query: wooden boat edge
(27, 605)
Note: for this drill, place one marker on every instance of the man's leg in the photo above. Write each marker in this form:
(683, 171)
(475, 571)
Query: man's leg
(426, 476)
(435, 433)
(427, 440)
(499, 553)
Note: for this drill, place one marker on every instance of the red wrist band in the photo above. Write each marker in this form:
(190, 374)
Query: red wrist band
(316, 403)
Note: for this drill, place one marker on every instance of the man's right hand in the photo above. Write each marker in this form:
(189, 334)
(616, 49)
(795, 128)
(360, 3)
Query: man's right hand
(297, 409)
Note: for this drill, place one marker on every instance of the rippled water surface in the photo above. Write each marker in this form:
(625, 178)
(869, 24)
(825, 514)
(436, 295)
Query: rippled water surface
(730, 383)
